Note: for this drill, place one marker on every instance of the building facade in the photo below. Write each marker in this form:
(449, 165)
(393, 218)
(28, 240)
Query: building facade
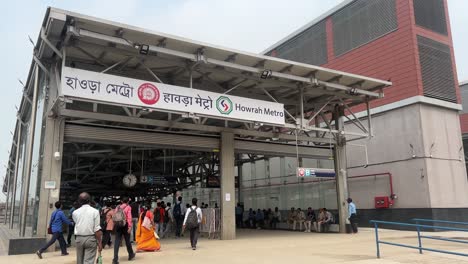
(417, 128)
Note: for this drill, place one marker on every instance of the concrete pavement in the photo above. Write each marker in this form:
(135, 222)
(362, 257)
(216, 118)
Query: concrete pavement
(282, 247)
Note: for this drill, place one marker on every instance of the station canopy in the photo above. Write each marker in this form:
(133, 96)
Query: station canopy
(309, 94)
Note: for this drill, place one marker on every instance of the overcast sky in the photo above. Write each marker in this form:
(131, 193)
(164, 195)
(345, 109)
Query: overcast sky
(250, 25)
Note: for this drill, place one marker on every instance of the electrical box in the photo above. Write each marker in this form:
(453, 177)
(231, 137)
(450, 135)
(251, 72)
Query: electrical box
(382, 202)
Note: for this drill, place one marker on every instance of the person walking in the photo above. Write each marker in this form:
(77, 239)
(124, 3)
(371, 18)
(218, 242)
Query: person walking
(122, 219)
(71, 228)
(239, 213)
(135, 214)
(107, 224)
(179, 214)
(169, 220)
(57, 219)
(87, 231)
(352, 215)
(192, 221)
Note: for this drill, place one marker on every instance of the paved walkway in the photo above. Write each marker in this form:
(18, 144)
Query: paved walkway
(283, 247)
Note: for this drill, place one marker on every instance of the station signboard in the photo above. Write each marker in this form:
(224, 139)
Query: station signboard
(315, 172)
(77, 83)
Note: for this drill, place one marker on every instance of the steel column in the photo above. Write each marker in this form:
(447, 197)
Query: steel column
(228, 223)
(29, 154)
(15, 180)
(8, 193)
(340, 168)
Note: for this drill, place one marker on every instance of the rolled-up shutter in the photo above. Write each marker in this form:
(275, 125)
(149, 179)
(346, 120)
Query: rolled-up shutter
(130, 137)
(133, 137)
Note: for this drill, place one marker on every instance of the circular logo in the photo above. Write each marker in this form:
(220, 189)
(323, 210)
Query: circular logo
(148, 93)
(224, 105)
(301, 172)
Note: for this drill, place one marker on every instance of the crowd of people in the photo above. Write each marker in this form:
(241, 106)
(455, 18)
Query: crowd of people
(95, 227)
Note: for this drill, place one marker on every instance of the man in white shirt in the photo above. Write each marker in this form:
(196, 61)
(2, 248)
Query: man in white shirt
(195, 229)
(87, 231)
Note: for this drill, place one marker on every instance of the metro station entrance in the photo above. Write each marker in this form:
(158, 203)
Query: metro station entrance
(117, 101)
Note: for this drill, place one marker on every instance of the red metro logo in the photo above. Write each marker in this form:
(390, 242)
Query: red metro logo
(148, 93)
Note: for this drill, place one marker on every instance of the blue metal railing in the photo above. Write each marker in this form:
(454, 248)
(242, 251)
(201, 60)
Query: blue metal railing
(418, 229)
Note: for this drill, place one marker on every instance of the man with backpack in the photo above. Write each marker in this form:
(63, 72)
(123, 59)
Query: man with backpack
(179, 214)
(159, 214)
(192, 221)
(122, 220)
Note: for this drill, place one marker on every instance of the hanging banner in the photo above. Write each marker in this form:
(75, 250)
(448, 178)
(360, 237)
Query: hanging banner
(127, 91)
(315, 172)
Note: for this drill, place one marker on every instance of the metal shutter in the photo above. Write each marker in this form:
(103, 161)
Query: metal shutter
(362, 22)
(430, 14)
(275, 149)
(117, 136)
(436, 70)
(309, 46)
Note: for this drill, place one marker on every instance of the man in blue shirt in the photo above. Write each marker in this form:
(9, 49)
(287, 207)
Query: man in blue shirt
(352, 215)
(57, 219)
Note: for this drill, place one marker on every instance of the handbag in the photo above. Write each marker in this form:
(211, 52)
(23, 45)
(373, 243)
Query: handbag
(49, 229)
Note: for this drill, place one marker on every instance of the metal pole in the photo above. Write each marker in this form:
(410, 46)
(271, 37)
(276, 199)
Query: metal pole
(377, 239)
(369, 118)
(15, 179)
(419, 238)
(29, 152)
(301, 94)
(239, 179)
(8, 193)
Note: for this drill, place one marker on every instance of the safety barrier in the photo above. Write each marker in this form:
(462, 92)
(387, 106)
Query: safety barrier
(418, 229)
(211, 222)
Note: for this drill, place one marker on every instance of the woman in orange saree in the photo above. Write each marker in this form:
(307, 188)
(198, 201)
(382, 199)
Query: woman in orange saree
(145, 237)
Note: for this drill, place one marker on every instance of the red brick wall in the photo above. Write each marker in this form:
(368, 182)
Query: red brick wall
(464, 123)
(392, 57)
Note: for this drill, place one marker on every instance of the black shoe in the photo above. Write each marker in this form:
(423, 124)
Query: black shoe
(39, 254)
(132, 256)
(115, 262)
(68, 245)
(65, 254)
(194, 248)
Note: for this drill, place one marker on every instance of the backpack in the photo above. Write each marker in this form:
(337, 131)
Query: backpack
(157, 215)
(104, 218)
(119, 218)
(192, 219)
(177, 212)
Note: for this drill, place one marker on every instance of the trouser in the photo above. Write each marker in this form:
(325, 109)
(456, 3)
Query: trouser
(274, 222)
(56, 236)
(323, 227)
(118, 237)
(300, 224)
(86, 248)
(179, 223)
(308, 226)
(134, 221)
(168, 229)
(106, 238)
(239, 220)
(161, 227)
(353, 221)
(194, 233)
(71, 231)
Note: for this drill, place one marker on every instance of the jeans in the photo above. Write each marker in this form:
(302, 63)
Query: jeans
(86, 249)
(274, 222)
(134, 221)
(106, 238)
(194, 233)
(179, 223)
(56, 236)
(71, 231)
(119, 232)
(161, 227)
